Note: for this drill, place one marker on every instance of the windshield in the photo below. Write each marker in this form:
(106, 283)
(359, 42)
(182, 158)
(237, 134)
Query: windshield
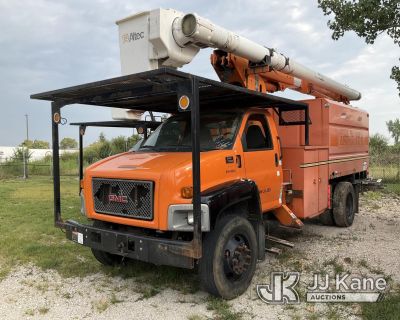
(217, 132)
(137, 145)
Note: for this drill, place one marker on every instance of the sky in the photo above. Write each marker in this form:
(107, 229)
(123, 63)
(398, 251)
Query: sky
(46, 45)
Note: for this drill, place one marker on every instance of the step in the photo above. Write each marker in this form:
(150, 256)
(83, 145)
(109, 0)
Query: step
(280, 241)
(274, 250)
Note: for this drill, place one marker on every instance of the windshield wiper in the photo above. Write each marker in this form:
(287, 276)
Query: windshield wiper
(169, 148)
(147, 148)
(174, 148)
(158, 149)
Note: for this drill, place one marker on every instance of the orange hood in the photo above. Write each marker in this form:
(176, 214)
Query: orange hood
(170, 171)
(138, 164)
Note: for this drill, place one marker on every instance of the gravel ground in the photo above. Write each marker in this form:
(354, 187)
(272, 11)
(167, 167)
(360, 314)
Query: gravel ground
(370, 247)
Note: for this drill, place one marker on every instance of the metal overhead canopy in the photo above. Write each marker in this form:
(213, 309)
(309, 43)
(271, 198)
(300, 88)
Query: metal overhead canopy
(110, 124)
(119, 124)
(157, 90)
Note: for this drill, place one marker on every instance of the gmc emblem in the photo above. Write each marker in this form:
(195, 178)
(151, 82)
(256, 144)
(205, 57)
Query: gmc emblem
(117, 198)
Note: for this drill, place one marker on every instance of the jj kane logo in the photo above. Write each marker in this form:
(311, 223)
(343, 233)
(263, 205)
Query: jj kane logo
(281, 290)
(341, 288)
(132, 36)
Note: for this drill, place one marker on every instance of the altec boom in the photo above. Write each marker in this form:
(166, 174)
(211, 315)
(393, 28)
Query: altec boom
(204, 33)
(172, 38)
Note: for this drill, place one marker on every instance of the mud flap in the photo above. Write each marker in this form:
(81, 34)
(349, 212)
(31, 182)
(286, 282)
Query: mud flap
(287, 218)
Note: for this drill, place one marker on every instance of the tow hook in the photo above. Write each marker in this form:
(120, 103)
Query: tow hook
(121, 248)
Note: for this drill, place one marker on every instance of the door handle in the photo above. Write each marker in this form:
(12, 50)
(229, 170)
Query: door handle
(276, 160)
(238, 161)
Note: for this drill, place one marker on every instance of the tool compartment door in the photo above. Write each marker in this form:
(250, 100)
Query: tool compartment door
(323, 179)
(311, 185)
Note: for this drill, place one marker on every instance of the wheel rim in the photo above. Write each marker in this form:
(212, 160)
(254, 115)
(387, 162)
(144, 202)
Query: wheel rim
(237, 257)
(349, 207)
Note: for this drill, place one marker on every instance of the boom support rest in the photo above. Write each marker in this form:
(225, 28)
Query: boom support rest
(287, 218)
(233, 69)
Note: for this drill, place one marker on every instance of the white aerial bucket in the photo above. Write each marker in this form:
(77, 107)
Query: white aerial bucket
(146, 43)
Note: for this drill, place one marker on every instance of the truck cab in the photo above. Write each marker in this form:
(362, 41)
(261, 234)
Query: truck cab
(149, 191)
(151, 188)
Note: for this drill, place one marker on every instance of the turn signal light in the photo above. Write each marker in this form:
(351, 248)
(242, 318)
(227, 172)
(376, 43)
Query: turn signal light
(187, 192)
(140, 130)
(184, 102)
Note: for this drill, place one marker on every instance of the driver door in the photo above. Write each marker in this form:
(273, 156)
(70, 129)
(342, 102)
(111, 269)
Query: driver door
(261, 160)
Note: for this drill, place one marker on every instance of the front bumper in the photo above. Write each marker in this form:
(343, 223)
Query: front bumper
(154, 250)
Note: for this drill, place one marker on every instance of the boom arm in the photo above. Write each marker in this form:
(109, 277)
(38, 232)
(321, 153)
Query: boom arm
(166, 37)
(240, 71)
(277, 71)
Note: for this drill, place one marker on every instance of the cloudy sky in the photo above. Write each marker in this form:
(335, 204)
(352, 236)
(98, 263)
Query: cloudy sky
(47, 45)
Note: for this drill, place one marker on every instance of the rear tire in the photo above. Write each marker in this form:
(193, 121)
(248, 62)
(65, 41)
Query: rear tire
(229, 257)
(344, 204)
(105, 258)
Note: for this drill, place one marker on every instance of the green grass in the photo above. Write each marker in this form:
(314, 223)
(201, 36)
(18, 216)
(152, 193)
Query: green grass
(387, 173)
(27, 232)
(195, 317)
(43, 310)
(222, 309)
(373, 195)
(393, 188)
(28, 236)
(388, 309)
(68, 167)
(337, 266)
(390, 176)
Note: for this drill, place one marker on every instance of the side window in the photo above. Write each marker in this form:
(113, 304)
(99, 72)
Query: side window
(257, 134)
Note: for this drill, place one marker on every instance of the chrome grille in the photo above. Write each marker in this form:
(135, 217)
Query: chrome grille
(127, 198)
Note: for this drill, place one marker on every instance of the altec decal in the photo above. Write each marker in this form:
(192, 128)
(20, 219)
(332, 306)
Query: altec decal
(117, 198)
(132, 36)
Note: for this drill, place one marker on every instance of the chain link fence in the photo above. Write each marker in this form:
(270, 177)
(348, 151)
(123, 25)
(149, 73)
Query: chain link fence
(17, 169)
(22, 163)
(386, 166)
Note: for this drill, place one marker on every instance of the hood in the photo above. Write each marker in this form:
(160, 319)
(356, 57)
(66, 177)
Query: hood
(138, 163)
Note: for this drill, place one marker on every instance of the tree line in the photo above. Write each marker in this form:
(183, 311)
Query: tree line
(379, 144)
(97, 150)
(66, 143)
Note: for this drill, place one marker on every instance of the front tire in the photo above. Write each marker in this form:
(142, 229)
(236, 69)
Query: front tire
(344, 204)
(229, 257)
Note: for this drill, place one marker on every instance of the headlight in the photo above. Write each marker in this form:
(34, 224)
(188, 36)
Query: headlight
(180, 217)
(83, 205)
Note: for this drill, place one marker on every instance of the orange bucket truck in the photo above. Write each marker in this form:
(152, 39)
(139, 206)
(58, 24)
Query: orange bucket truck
(202, 185)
